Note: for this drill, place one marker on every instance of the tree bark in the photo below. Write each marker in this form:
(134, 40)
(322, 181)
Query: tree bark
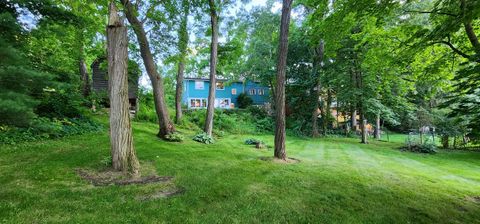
(467, 23)
(317, 61)
(84, 76)
(182, 45)
(122, 150)
(377, 127)
(364, 128)
(354, 120)
(280, 152)
(213, 68)
(165, 125)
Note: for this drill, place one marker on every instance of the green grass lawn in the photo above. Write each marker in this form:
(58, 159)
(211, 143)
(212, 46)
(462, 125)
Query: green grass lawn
(337, 181)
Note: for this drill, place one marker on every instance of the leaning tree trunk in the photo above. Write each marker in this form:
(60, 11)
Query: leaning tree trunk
(213, 67)
(165, 125)
(317, 61)
(123, 153)
(280, 152)
(182, 46)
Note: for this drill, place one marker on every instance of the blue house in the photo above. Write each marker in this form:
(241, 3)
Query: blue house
(226, 93)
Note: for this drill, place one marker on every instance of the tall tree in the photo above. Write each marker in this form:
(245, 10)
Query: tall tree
(280, 152)
(123, 153)
(165, 125)
(213, 67)
(182, 46)
(317, 61)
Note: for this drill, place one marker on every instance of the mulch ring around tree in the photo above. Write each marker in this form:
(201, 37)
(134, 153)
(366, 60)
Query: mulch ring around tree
(111, 177)
(288, 160)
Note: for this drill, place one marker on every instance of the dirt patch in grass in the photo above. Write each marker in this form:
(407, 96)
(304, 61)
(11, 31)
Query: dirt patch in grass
(474, 199)
(164, 193)
(111, 177)
(288, 160)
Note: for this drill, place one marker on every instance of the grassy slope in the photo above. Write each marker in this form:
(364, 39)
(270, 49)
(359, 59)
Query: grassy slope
(338, 181)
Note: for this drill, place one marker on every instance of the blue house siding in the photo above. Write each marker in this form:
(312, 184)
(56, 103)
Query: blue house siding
(196, 97)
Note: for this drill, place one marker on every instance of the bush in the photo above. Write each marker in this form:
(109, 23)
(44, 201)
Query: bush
(203, 138)
(59, 104)
(252, 141)
(44, 128)
(421, 148)
(244, 100)
(174, 137)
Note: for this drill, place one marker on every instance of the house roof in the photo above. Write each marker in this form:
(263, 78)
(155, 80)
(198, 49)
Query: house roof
(218, 79)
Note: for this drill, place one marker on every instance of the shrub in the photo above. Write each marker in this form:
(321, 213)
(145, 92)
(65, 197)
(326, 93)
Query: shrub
(174, 137)
(252, 141)
(421, 148)
(203, 138)
(244, 100)
(44, 128)
(59, 104)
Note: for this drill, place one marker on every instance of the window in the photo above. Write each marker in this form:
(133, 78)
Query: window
(261, 92)
(199, 85)
(234, 91)
(220, 86)
(251, 91)
(222, 103)
(198, 103)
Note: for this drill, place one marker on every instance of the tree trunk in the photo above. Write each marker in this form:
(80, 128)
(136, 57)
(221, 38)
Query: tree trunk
(354, 120)
(317, 60)
(280, 152)
(213, 69)
(182, 46)
(445, 142)
(123, 153)
(164, 123)
(315, 132)
(467, 23)
(363, 127)
(328, 112)
(377, 127)
(84, 76)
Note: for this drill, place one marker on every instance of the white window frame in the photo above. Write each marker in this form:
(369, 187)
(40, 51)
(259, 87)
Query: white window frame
(252, 92)
(234, 91)
(225, 106)
(202, 100)
(216, 85)
(260, 92)
(199, 84)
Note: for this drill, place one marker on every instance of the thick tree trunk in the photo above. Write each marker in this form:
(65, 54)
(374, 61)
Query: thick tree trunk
(377, 127)
(84, 76)
(164, 123)
(213, 68)
(123, 153)
(317, 61)
(280, 152)
(182, 46)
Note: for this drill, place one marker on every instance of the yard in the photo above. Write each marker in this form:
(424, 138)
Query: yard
(337, 181)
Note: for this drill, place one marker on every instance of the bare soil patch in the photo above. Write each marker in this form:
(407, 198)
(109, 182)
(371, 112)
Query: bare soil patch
(288, 160)
(111, 177)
